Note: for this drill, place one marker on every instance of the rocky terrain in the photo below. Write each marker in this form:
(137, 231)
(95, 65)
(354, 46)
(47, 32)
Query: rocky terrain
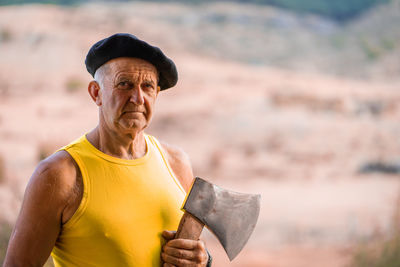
(298, 108)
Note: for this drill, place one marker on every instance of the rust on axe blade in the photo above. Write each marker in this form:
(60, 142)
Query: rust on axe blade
(231, 216)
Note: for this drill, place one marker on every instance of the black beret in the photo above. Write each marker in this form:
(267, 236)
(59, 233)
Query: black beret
(128, 45)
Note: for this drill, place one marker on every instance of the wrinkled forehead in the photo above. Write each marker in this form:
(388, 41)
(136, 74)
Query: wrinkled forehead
(131, 66)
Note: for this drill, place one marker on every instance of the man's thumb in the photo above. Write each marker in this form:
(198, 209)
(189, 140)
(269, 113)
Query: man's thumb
(168, 235)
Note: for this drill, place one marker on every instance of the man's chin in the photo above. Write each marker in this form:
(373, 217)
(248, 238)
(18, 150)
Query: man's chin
(131, 126)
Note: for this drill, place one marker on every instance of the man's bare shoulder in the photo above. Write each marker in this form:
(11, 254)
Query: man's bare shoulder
(56, 173)
(180, 164)
(176, 154)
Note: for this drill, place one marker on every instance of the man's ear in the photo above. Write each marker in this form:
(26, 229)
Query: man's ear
(94, 92)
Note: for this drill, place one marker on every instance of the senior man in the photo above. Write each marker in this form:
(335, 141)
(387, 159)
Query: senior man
(108, 198)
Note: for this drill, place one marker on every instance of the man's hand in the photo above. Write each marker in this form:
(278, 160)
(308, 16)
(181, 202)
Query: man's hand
(183, 252)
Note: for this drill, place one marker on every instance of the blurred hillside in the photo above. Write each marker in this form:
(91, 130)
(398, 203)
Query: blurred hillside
(297, 107)
(365, 48)
(339, 9)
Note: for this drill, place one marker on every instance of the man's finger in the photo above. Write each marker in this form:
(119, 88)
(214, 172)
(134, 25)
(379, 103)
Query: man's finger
(179, 253)
(176, 261)
(186, 244)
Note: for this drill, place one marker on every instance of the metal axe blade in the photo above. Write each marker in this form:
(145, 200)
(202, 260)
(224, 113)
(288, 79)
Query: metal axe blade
(231, 216)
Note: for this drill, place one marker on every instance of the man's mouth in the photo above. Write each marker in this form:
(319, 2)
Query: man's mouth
(132, 114)
(132, 111)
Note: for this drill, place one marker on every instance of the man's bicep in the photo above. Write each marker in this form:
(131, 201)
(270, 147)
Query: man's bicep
(39, 221)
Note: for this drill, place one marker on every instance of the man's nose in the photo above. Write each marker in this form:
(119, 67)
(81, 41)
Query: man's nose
(137, 96)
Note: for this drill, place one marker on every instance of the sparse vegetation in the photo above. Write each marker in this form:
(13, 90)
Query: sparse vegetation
(385, 255)
(5, 232)
(2, 170)
(371, 51)
(73, 85)
(5, 35)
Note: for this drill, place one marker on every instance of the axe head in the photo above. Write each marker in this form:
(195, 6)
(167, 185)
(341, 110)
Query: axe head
(231, 216)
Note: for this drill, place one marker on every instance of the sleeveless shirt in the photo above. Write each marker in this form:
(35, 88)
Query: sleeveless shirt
(126, 204)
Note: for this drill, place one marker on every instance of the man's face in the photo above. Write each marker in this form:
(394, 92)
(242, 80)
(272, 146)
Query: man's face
(128, 93)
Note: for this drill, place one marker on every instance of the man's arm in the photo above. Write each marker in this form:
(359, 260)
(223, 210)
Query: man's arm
(182, 252)
(39, 222)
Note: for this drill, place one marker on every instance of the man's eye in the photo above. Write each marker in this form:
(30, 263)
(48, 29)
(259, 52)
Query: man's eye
(124, 85)
(148, 86)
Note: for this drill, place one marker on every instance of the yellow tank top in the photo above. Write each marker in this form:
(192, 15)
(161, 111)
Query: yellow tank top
(126, 204)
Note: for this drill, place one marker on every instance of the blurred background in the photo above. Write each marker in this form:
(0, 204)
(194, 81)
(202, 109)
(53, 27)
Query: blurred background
(296, 100)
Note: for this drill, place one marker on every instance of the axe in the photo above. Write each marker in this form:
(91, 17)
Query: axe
(229, 215)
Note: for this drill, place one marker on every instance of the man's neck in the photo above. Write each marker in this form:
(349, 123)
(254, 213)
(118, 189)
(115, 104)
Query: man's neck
(119, 145)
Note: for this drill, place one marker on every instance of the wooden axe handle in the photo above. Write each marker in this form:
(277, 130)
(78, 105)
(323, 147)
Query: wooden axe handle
(189, 227)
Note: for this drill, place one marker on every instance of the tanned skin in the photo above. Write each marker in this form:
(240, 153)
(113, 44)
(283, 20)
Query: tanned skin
(125, 90)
